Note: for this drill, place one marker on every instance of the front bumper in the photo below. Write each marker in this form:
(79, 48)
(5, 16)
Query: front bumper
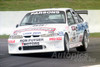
(35, 45)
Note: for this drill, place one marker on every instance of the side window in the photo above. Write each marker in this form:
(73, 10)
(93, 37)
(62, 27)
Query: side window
(77, 17)
(70, 18)
(80, 18)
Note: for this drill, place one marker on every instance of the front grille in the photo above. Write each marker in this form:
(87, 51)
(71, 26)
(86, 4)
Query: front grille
(32, 47)
(32, 35)
(27, 36)
(36, 35)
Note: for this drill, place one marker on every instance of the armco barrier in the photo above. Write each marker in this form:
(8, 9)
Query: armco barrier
(9, 19)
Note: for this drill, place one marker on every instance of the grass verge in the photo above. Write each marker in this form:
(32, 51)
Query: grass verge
(95, 35)
(24, 5)
(4, 36)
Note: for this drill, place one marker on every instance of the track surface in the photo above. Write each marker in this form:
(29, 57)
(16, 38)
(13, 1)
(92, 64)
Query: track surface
(72, 59)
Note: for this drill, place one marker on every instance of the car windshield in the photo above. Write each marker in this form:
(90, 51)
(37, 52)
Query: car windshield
(44, 17)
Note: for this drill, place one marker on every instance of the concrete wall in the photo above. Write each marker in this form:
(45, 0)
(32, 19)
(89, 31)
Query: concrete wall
(93, 19)
(9, 19)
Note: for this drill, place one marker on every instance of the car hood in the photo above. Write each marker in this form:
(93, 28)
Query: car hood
(39, 29)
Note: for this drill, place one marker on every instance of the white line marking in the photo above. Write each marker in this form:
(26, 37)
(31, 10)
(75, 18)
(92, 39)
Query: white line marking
(2, 54)
(92, 66)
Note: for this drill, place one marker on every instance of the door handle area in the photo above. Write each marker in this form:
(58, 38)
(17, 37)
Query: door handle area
(74, 28)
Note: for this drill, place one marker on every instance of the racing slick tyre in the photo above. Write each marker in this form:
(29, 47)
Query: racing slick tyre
(84, 43)
(66, 43)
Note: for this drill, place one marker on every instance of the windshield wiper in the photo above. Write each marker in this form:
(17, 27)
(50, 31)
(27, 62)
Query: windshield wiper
(28, 23)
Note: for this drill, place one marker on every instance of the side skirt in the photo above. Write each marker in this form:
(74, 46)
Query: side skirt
(72, 45)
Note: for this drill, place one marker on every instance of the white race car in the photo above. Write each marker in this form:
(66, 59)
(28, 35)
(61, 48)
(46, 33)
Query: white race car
(49, 30)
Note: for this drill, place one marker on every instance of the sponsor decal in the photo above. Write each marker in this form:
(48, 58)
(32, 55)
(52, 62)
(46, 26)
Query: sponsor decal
(57, 38)
(36, 33)
(73, 28)
(60, 33)
(80, 38)
(31, 40)
(81, 27)
(27, 33)
(46, 12)
(11, 41)
(22, 44)
(73, 39)
(30, 33)
(52, 32)
(86, 25)
(67, 27)
(32, 43)
(35, 29)
(74, 34)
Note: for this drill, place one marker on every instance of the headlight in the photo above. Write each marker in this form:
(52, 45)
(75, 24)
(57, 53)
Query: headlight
(47, 35)
(50, 34)
(16, 36)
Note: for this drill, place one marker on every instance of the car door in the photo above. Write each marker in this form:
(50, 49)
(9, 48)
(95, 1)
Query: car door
(80, 26)
(72, 27)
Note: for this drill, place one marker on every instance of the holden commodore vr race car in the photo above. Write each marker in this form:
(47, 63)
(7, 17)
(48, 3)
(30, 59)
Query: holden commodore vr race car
(49, 30)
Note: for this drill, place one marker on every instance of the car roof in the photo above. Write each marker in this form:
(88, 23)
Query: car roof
(46, 9)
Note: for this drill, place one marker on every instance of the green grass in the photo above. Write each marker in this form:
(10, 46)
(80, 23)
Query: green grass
(94, 35)
(25, 5)
(4, 36)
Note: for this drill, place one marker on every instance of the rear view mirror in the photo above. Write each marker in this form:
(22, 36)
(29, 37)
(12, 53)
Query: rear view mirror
(17, 25)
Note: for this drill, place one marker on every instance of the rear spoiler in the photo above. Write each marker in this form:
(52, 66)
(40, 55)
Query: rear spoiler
(81, 11)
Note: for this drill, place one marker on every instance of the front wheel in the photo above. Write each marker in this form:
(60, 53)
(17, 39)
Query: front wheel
(66, 43)
(84, 43)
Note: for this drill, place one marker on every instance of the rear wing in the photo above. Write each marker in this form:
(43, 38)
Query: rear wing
(81, 11)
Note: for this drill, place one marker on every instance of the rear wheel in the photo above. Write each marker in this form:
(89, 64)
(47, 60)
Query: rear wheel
(84, 43)
(66, 43)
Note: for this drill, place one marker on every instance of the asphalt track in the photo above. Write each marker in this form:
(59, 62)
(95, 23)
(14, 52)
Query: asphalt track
(60, 59)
